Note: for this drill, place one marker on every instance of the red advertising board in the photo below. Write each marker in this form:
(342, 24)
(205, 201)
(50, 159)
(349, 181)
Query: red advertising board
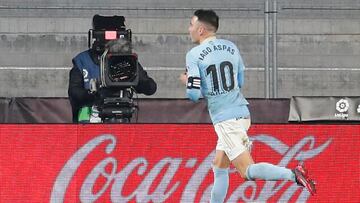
(169, 163)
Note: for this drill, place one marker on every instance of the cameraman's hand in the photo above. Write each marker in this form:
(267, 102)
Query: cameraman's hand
(183, 78)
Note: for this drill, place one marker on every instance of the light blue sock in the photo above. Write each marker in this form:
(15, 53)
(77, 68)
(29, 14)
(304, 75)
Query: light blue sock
(266, 171)
(221, 184)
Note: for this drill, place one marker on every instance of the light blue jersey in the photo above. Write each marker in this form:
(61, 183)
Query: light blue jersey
(215, 70)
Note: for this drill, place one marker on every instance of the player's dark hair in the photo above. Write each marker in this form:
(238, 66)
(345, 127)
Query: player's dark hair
(208, 17)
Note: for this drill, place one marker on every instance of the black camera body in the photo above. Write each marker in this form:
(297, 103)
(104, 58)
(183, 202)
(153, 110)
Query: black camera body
(117, 106)
(119, 71)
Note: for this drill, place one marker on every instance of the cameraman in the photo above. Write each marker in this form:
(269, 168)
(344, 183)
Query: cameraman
(86, 68)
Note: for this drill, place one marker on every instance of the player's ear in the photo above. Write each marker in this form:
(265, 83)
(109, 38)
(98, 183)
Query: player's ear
(201, 29)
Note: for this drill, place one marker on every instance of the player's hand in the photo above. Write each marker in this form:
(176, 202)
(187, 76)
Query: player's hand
(183, 78)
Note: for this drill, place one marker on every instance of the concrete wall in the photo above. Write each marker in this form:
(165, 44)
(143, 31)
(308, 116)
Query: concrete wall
(318, 43)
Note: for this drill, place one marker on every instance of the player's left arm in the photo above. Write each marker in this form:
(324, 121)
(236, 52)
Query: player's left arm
(241, 68)
(193, 78)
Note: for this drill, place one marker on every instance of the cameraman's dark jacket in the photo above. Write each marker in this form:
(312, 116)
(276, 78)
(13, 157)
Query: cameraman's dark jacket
(84, 70)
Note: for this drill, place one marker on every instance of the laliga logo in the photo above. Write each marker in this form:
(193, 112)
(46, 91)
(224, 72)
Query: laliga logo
(85, 75)
(342, 105)
(358, 109)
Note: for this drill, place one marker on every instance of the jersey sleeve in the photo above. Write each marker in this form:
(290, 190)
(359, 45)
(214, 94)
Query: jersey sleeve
(240, 76)
(194, 81)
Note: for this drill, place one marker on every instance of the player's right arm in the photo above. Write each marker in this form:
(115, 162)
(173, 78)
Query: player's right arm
(193, 78)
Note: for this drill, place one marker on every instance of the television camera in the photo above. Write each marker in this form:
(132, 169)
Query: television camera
(119, 71)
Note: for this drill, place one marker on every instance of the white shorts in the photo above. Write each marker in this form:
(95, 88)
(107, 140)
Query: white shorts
(232, 137)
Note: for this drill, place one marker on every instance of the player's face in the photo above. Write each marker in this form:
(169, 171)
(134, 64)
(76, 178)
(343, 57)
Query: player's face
(194, 29)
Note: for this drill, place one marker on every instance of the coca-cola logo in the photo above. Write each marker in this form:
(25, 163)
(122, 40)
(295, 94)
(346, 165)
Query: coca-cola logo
(118, 175)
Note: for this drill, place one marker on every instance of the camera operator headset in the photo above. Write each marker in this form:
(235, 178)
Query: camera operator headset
(86, 69)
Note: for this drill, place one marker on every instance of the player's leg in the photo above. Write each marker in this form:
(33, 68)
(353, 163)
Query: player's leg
(242, 162)
(221, 162)
(221, 165)
(264, 171)
(235, 142)
(234, 137)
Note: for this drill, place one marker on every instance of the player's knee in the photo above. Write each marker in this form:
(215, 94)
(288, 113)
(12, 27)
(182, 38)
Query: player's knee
(243, 175)
(242, 170)
(220, 163)
(216, 163)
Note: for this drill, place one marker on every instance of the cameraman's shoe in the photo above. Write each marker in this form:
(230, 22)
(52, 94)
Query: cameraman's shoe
(302, 178)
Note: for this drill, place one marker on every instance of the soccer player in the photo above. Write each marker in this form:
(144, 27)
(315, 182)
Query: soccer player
(215, 70)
